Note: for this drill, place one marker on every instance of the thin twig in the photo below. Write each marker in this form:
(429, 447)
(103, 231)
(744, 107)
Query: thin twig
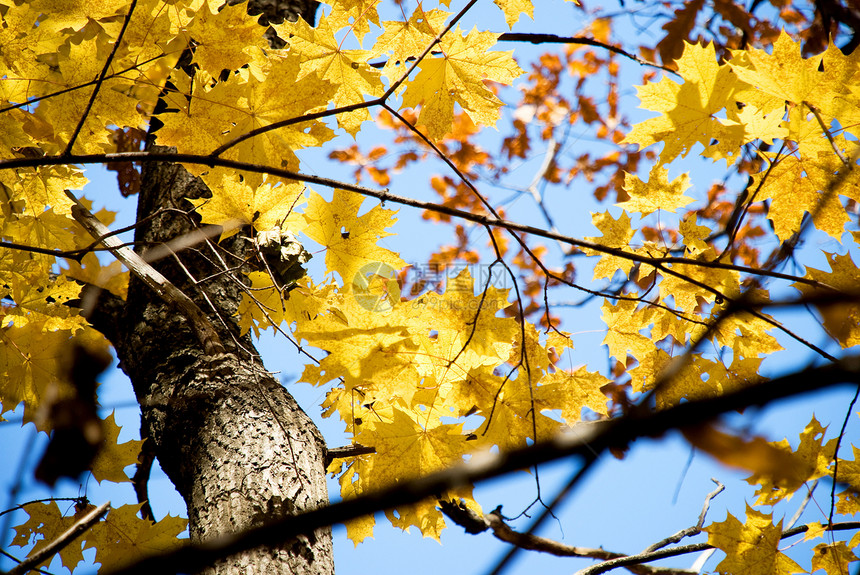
(553, 39)
(99, 81)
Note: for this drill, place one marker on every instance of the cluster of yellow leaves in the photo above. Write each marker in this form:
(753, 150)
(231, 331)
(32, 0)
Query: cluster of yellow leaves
(409, 367)
(119, 539)
(804, 111)
(50, 102)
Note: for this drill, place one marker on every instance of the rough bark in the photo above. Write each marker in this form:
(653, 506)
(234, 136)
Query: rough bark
(233, 441)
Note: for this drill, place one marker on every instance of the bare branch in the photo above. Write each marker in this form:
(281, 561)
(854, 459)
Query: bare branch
(150, 276)
(474, 522)
(553, 39)
(100, 80)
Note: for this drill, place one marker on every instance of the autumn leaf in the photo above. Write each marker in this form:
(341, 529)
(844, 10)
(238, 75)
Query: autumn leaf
(226, 38)
(688, 112)
(235, 203)
(458, 77)
(813, 456)
(114, 457)
(751, 548)
(617, 233)
(122, 537)
(45, 524)
(833, 558)
(513, 9)
(347, 70)
(841, 322)
(657, 194)
(351, 239)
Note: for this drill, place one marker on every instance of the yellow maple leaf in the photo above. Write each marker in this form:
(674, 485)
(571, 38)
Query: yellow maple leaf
(813, 456)
(122, 537)
(751, 548)
(688, 111)
(580, 388)
(796, 187)
(402, 40)
(43, 188)
(458, 77)
(833, 558)
(321, 54)
(814, 530)
(657, 194)
(214, 115)
(617, 233)
(30, 359)
(226, 39)
(785, 74)
(356, 15)
(45, 524)
(350, 239)
(842, 322)
(513, 9)
(113, 457)
(359, 529)
(624, 324)
(235, 203)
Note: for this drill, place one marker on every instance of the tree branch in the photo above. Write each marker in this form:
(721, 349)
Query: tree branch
(475, 522)
(150, 276)
(385, 196)
(553, 39)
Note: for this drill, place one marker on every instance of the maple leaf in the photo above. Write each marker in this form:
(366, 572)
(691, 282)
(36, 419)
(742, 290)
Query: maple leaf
(579, 389)
(796, 185)
(45, 524)
(350, 239)
(458, 77)
(751, 548)
(235, 203)
(513, 9)
(226, 38)
(214, 115)
(403, 40)
(754, 454)
(841, 322)
(355, 15)
(624, 324)
(406, 448)
(43, 188)
(813, 457)
(678, 30)
(657, 194)
(833, 558)
(785, 74)
(688, 111)
(122, 537)
(321, 54)
(113, 457)
(30, 358)
(617, 233)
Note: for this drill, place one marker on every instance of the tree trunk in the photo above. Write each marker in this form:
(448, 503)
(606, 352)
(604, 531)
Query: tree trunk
(234, 442)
